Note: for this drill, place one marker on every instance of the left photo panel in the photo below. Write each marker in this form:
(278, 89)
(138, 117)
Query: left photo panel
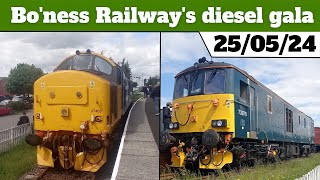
(78, 105)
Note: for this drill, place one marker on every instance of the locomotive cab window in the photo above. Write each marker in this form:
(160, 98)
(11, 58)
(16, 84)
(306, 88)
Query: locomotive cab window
(269, 104)
(196, 83)
(65, 65)
(86, 62)
(82, 62)
(102, 66)
(215, 81)
(244, 91)
(181, 86)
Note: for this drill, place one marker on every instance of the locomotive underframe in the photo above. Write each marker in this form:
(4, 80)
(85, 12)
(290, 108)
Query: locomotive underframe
(84, 152)
(188, 150)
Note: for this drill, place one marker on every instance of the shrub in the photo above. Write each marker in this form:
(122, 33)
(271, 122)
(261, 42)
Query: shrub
(17, 105)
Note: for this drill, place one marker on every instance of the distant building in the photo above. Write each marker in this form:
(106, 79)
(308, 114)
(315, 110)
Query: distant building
(317, 135)
(3, 90)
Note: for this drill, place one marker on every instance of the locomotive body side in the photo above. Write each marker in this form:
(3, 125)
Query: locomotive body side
(268, 117)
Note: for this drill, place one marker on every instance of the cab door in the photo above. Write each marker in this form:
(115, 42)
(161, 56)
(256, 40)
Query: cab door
(253, 113)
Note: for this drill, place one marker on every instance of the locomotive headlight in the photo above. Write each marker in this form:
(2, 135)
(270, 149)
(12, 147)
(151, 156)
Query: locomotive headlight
(82, 127)
(64, 112)
(174, 125)
(219, 123)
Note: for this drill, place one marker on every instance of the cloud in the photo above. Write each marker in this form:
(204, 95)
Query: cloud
(47, 49)
(181, 47)
(295, 80)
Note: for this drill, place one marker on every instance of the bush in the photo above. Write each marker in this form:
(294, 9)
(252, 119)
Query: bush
(18, 105)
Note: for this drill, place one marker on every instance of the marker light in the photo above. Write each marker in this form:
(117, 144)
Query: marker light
(190, 107)
(215, 102)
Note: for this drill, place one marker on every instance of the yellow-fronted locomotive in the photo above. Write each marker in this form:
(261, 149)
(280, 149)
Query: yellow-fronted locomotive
(76, 108)
(223, 116)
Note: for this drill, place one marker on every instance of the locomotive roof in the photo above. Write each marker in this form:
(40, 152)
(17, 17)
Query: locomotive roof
(212, 64)
(93, 53)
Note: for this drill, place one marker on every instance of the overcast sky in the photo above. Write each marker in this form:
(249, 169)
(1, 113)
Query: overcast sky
(296, 80)
(47, 50)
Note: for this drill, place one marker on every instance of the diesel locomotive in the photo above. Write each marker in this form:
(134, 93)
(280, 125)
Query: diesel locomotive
(222, 116)
(76, 109)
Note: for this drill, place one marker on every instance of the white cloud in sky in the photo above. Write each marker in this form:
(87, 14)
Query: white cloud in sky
(47, 49)
(295, 80)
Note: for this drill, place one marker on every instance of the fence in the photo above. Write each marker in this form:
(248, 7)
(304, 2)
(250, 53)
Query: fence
(12, 136)
(314, 174)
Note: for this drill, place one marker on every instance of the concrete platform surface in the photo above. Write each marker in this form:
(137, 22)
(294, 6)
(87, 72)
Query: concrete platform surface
(138, 158)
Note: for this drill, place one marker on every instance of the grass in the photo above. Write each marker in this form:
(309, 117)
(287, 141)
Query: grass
(135, 96)
(17, 161)
(286, 170)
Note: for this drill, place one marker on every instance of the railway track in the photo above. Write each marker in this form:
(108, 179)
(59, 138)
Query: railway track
(40, 172)
(173, 176)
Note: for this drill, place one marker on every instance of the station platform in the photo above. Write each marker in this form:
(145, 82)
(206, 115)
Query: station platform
(138, 155)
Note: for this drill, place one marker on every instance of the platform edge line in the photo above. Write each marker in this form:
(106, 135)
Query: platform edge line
(117, 163)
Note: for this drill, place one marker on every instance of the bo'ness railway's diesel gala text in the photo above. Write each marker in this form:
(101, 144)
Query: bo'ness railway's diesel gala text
(76, 108)
(223, 116)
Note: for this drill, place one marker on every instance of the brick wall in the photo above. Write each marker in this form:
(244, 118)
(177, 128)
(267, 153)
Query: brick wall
(3, 90)
(317, 135)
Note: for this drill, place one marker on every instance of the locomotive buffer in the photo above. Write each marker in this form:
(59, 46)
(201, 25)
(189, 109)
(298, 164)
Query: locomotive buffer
(138, 155)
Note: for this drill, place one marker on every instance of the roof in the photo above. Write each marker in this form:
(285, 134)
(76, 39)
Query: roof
(3, 78)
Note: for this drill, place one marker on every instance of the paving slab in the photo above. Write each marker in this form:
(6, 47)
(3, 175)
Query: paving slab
(139, 157)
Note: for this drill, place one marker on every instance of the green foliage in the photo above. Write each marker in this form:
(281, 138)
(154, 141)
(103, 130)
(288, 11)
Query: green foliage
(134, 84)
(287, 170)
(135, 96)
(126, 68)
(152, 81)
(18, 105)
(22, 78)
(17, 161)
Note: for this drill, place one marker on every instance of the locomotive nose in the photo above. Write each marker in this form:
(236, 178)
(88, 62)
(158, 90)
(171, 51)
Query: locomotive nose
(210, 138)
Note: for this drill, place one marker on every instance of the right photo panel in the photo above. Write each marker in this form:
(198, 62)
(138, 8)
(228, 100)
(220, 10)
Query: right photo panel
(233, 117)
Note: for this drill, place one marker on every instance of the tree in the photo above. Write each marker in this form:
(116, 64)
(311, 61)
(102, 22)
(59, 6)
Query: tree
(126, 68)
(134, 84)
(152, 81)
(22, 78)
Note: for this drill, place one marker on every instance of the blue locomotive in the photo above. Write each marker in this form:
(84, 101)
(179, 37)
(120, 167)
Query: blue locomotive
(222, 116)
